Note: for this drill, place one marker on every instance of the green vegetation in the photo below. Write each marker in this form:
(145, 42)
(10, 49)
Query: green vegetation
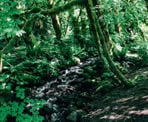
(42, 38)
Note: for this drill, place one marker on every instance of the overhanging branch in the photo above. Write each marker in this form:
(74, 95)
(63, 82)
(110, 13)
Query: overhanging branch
(56, 10)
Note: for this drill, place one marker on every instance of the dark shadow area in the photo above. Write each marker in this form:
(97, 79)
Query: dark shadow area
(127, 105)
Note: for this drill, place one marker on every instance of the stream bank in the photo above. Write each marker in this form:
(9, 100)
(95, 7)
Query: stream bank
(70, 98)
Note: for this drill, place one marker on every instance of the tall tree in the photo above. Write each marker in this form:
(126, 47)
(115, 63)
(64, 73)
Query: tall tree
(102, 46)
(146, 4)
(55, 22)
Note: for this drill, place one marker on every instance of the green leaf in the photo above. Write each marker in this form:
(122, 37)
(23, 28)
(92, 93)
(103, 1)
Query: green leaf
(3, 77)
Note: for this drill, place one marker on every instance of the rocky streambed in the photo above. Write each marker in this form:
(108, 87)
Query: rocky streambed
(66, 96)
(70, 97)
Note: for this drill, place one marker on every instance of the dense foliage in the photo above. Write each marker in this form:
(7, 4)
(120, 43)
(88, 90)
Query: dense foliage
(39, 38)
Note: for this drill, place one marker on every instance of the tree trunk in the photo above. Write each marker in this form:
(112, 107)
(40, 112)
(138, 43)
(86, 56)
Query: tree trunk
(146, 2)
(55, 22)
(56, 26)
(1, 64)
(96, 37)
(102, 46)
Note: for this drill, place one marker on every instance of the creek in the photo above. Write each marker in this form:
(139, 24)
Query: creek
(61, 94)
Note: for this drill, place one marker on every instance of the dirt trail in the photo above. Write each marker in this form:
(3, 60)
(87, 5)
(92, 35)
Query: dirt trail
(122, 105)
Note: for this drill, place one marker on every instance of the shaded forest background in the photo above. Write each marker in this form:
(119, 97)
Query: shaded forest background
(40, 38)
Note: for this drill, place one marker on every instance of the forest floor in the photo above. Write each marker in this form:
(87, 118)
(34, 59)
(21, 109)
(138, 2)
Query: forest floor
(78, 101)
(122, 105)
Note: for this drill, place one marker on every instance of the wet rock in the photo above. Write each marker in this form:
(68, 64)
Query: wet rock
(73, 116)
(55, 117)
(55, 107)
(60, 92)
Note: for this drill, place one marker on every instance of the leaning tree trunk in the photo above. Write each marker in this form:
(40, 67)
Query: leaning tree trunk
(96, 37)
(102, 46)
